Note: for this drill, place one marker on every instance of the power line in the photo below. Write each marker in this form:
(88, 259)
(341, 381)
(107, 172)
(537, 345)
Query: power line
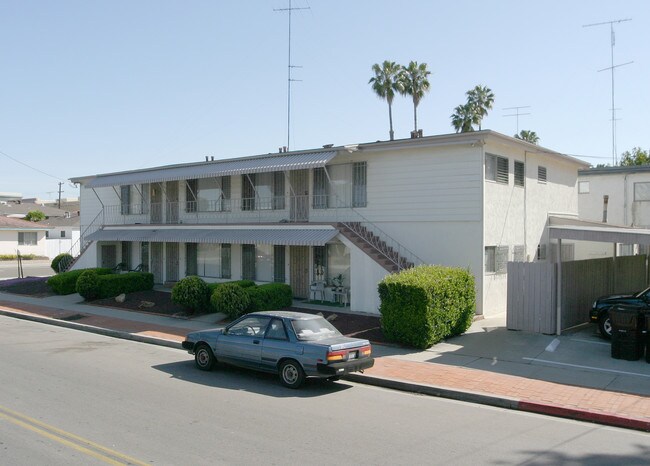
(30, 167)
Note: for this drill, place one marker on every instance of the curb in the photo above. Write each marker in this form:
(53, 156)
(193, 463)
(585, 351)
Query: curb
(93, 329)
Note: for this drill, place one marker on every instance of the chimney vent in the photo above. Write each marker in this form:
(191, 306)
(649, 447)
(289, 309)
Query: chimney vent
(212, 158)
(206, 158)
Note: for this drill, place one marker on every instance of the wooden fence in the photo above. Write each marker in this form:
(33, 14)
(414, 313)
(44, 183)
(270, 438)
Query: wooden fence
(532, 286)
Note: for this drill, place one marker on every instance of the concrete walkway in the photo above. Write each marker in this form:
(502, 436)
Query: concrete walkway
(507, 369)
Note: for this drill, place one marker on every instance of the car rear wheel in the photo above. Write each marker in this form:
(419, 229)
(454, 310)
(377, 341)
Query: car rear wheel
(204, 358)
(291, 374)
(605, 325)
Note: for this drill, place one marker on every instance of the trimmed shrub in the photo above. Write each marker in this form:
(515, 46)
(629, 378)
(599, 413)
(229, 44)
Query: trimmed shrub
(118, 283)
(65, 258)
(426, 304)
(88, 285)
(268, 297)
(191, 292)
(66, 282)
(231, 299)
(242, 283)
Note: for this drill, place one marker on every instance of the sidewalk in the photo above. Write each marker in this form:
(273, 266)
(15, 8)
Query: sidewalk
(391, 370)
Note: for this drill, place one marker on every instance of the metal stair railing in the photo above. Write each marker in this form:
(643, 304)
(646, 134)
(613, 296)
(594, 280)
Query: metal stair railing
(80, 246)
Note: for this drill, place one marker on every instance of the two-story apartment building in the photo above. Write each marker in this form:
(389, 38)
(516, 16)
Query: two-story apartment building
(617, 196)
(353, 213)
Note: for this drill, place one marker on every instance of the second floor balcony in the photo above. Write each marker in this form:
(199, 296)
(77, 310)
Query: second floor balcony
(273, 209)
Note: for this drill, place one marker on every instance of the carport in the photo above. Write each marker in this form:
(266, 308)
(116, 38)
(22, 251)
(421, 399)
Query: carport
(578, 230)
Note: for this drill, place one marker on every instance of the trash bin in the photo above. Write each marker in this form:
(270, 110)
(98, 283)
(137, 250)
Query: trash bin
(627, 324)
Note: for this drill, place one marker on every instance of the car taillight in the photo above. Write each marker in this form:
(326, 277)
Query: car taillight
(366, 350)
(336, 355)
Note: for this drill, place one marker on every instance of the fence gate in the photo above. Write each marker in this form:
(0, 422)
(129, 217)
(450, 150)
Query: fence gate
(531, 297)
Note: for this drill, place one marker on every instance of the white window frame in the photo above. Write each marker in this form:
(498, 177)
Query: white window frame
(497, 169)
(583, 187)
(542, 174)
(32, 239)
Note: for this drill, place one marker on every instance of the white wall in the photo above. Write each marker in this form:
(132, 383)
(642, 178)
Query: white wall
(9, 243)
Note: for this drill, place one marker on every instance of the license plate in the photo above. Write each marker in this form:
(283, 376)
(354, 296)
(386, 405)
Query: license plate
(352, 355)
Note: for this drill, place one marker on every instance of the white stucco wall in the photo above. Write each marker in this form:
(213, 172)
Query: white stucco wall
(9, 243)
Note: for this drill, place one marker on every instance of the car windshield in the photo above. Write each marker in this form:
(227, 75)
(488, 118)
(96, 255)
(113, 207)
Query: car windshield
(643, 293)
(314, 329)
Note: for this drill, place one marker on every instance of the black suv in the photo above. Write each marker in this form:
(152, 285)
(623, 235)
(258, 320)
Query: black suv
(600, 309)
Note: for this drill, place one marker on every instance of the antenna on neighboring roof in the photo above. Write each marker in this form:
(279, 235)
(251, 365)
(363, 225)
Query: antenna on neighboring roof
(517, 114)
(613, 41)
(290, 66)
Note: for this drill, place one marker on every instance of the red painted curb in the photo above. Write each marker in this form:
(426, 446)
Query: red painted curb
(582, 415)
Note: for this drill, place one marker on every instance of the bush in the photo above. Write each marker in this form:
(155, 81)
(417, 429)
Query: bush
(241, 283)
(426, 304)
(114, 284)
(65, 258)
(271, 296)
(231, 299)
(88, 285)
(66, 282)
(191, 292)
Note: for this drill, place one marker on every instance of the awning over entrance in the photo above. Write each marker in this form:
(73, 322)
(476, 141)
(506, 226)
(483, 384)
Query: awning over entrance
(259, 164)
(283, 236)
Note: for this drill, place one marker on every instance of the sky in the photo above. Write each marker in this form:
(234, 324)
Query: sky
(105, 86)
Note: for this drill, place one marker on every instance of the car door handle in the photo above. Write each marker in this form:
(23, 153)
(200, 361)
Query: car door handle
(256, 342)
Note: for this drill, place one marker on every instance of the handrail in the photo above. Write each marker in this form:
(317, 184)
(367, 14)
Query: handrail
(79, 246)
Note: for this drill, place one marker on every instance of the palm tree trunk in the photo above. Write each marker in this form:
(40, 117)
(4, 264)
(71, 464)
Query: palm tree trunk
(415, 115)
(390, 119)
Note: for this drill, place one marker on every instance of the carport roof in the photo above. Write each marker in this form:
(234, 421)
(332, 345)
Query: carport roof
(580, 230)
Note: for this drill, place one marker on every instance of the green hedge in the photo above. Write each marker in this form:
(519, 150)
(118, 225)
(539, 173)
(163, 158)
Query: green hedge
(426, 304)
(271, 296)
(241, 283)
(66, 282)
(118, 283)
(191, 292)
(65, 257)
(231, 299)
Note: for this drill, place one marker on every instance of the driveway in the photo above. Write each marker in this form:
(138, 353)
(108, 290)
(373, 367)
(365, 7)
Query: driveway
(31, 268)
(579, 357)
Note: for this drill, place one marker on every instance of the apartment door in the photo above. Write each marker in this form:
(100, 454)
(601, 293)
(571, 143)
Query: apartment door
(156, 202)
(157, 262)
(299, 180)
(299, 271)
(171, 214)
(109, 255)
(171, 263)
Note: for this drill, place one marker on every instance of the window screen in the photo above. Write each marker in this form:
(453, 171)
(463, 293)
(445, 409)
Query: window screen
(541, 174)
(520, 175)
(642, 191)
(583, 187)
(359, 184)
(496, 168)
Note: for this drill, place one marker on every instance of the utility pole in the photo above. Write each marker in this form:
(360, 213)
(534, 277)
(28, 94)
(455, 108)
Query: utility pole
(517, 114)
(611, 68)
(60, 184)
(290, 67)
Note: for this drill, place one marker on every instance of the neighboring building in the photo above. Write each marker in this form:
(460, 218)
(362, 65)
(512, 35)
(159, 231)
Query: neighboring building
(20, 235)
(355, 212)
(63, 234)
(617, 196)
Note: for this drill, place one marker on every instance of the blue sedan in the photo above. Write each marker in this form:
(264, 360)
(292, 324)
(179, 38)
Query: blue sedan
(291, 344)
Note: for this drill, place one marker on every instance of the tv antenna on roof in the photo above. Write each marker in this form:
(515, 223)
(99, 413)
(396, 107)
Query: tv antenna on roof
(290, 67)
(517, 114)
(612, 67)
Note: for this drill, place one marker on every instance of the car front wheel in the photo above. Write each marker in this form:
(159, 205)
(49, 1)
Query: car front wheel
(605, 325)
(291, 374)
(204, 358)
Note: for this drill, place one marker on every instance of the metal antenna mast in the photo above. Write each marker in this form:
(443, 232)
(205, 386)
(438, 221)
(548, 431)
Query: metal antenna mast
(613, 41)
(517, 114)
(290, 67)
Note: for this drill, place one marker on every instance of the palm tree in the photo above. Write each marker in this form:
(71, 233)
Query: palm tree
(463, 118)
(385, 83)
(415, 83)
(528, 136)
(481, 99)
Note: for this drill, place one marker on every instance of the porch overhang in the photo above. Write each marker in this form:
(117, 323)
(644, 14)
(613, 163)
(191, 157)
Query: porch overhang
(276, 236)
(258, 164)
(604, 233)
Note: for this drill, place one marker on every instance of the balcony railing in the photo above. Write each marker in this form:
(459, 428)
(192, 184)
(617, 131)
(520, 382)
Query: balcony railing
(285, 209)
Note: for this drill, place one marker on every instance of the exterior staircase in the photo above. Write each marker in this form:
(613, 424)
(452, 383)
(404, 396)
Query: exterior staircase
(386, 252)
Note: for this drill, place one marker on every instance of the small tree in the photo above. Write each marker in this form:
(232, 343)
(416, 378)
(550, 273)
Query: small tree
(528, 136)
(35, 216)
(479, 101)
(636, 157)
(191, 292)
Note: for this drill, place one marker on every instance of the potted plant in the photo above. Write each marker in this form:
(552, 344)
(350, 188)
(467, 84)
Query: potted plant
(338, 282)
